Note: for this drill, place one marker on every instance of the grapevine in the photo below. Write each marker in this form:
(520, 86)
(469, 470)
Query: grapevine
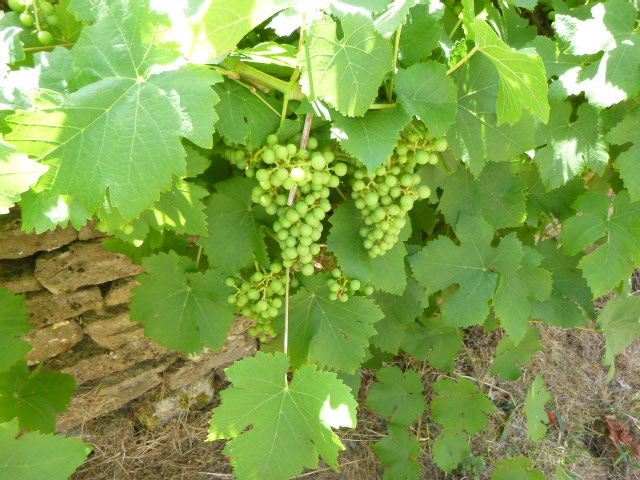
(366, 183)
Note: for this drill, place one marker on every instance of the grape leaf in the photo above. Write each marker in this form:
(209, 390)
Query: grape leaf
(611, 29)
(395, 15)
(511, 356)
(244, 118)
(497, 195)
(432, 339)
(42, 213)
(534, 409)
(10, 45)
(426, 91)
(620, 322)
(512, 29)
(180, 209)
(628, 130)
(181, 308)
(474, 266)
(294, 417)
(523, 83)
(373, 137)
(345, 72)
(206, 29)
(13, 323)
(568, 283)
(556, 61)
(475, 137)
(460, 407)
(389, 271)
(449, 450)
(17, 174)
(399, 312)
(345, 242)
(399, 451)
(34, 400)
(332, 334)
(517, 291)
(613, 261)
(541, 204)
(35, 456)
(397, 397)
(122, 98)
(234, 221)
(517, 468)
(422, 32)
(570, 145)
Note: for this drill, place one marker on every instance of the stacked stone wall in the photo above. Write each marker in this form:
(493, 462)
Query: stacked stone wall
(78, 295)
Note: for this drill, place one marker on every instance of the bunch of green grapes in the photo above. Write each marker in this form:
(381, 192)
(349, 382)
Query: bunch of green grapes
(386, 197)
(36, 13)
(342, 287)
(309, 174)
(260, 297)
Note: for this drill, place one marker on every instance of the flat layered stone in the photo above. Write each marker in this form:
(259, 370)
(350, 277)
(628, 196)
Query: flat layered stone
(120, 291)
(53, 340)
(89, 231)
(239, 344)
(94, 367)
(14, 243)
(112, 330)
(47, 308)
(82, 264)
(18, 275)
(95, 400)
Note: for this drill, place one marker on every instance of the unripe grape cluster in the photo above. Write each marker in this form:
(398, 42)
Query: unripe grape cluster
(36, 13)
(385, 197)
(260, 297)
(280, 169)
(342, 287)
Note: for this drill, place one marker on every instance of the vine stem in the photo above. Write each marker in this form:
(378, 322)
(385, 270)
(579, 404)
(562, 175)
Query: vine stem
(286, 314)
(380, 106)
(396, 47)
(464, 60)
(306, 132)
(47, 47)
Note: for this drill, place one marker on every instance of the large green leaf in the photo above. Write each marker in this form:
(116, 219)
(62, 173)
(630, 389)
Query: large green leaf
(517, 291)
(628, 130)
(426, 91)
(422, 32)
(332, 334)
(17, 174)
(13, 323)
(523, 83)
(120, 132)
(294, 417)
(475, 266)
(181, 308)
(570, 145)
(346, 71)
(235, 222)
(395, 15)
(607, 27)
(345, 242)
(517, 468)
(510, 356)
(613, 261)
(244, 118)
(34, 456)
(432, 339)
(397, 396)
(373, 137)
(206, 29)
(497, 195)
(34, 400)
(399, 451)
(620, 322)
(460, 407)
(475, 136)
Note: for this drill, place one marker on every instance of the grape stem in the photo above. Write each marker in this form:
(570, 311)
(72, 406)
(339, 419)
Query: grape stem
(464, 60)
(396, 47)
(306, 132)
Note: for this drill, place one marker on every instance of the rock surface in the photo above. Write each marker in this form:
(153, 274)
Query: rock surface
(47, 308)
(18, 276)
(51, 341)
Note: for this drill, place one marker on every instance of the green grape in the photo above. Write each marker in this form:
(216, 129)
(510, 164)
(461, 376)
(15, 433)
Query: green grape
(230, 281)
(312, 143)
(272, 139)
(440, 144)
(45, 38)
(45, 8)
(340, 169)
(343, 298)
(371, 199)
(269, 156)
(433, 158)
(27, 20)
(16, 5)
(52, 20)
(291, 149)
(368, 290)
(298, 175)
(307, 270)
(355, 284)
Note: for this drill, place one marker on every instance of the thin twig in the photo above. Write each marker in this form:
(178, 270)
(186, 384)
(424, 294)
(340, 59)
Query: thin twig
(464, 60)
(306, 132)
(286, 314)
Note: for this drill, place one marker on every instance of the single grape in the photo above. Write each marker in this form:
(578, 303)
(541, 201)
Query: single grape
(307, 270)
(230, 282)
(312, 144)
(297, 175)
(27, 20)
(46, 8)
(16, 5)
(340, 169)
(272, 139)
(440, 144)
(52, 20)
